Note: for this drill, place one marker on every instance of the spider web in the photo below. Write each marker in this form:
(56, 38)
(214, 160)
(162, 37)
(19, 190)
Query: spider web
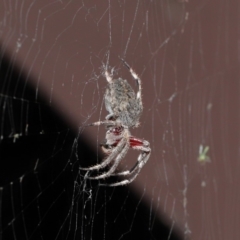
(52, 58)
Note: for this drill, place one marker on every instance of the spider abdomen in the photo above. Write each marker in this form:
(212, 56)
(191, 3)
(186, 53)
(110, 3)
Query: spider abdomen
(122, 104)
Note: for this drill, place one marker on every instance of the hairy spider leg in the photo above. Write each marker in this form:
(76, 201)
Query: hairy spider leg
(106, 162)
(105, 122)
(120, 156)
(108, 77)
(137, 144)
(142, 159)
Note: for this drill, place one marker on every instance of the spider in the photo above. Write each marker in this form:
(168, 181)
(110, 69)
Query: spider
(125, 108)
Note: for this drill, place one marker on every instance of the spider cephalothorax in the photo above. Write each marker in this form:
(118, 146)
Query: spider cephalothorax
(125, 108)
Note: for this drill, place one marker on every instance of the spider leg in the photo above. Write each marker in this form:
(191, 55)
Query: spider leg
(105, 122)
(136, 77)
(106, 162)
(108, 76)
(120, 156)
(142, 159)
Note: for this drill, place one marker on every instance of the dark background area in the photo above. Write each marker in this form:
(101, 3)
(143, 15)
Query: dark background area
(42, 203)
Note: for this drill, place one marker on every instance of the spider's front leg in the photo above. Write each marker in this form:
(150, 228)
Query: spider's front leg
(137, 78)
